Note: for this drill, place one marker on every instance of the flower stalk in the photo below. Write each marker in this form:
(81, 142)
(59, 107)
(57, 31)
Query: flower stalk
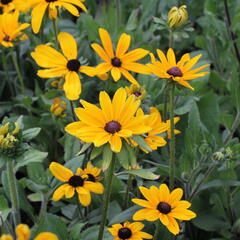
(172, 141)
(157, 230)
(13, 192)
(20, 78)
(106, 199)
(129, 186)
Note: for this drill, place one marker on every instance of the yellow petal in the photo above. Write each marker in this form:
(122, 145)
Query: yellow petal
(46, 235)
(116, 74)
(59, 192)
(123, 45)
(106, 42)
(6, 237)
(68, 45)
(106, 105)
(72, 86)
(90, 71)
(173, 226)
(60, 172)
(22, 232)
(101, 52)
(136, 67)
(95, 187)
(37, 15)
(134, 55)
(115, 143)
(128, 76)
(85, 199)
(171, 57)
(53, 72)
(69, 192)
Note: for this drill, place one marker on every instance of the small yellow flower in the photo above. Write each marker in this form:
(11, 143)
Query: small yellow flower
(58, 107)
(62, 65)
(11, 29)
(163, 205)
(92, 173)
(177, 16)
(129, 231)
(138, 91)
(19, 5)
(122, 61)
(80, 183)
(109, 124)
(181, 71)
(40, 7)
(56, 84)
(23, 233)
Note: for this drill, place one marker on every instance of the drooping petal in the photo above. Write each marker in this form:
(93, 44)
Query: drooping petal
(72, 86)
(116, 74)
(106, 42)
(95, 187)
(128, 76)
(22, 231)
(85, 199)
(37, 15)
(115, 143)
(101, 52)
(59, 192)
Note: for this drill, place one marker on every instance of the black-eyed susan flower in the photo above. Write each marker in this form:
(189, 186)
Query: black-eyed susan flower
(176, 120)
(119, 61)
(62, 65)
(180, 71)
(162, 205)
(93, 173)
(23, 233)
(129, 231)
(40, 7)
(74, 183)
(109, 124)
(11, 29)
(177, 16)
(58, 108)
(138, 91)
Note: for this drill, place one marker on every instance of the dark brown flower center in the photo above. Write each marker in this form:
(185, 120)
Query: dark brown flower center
(175, 71)
(48, 1)
(164, 208)
(6, 38)
(5, 2)
(116, 62)
(73, 65)
(91, 178)
(137, 94)
(124, 233)
(76, 181)
(112, 127)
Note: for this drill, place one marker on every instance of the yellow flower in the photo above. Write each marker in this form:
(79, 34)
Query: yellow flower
(92, 173)
(120, 62)
(78, 183)
(19, 5)
(176, 120)
(177, 16)
(108, 124)
(23, 233)
(163, 205)
(11, 29)
(4, 129)
(41, 6)
(58, 107)
(138, 91)
(180, 71)
(129, 231)
(62, 65)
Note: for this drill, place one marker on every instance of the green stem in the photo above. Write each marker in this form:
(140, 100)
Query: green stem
(55, 29)
(171, 39)
(129, 186)
(20, 78)
(106, 199)
(172, 140)
(13, 192)
(72, 109)
(157, 230)
(43, 209)
(79, 207)
(118, 12)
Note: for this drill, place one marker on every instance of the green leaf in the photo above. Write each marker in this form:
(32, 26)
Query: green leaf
(132, 155)
(96, 152)
(30, 156)
(132, 22)
(84, 148)
(4, 209)
(107, 157)
(71, 147)
(37, 173)
(140, 141)
(143, 173)
(123, 157)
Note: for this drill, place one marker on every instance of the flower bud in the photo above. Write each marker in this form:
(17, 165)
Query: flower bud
(138, 91)
(177, 16)
(58, 107)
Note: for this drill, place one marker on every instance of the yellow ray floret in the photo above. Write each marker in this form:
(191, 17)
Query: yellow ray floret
(114, 120)
(180, 71)
(163, 205)
(41, 6)
(120, 61)
(11, 29)
(129, 231)
(62, 65)
(79, 183)
(23, 233)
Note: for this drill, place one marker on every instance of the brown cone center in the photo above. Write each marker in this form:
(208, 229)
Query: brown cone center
(175, 72)
(112, 127)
